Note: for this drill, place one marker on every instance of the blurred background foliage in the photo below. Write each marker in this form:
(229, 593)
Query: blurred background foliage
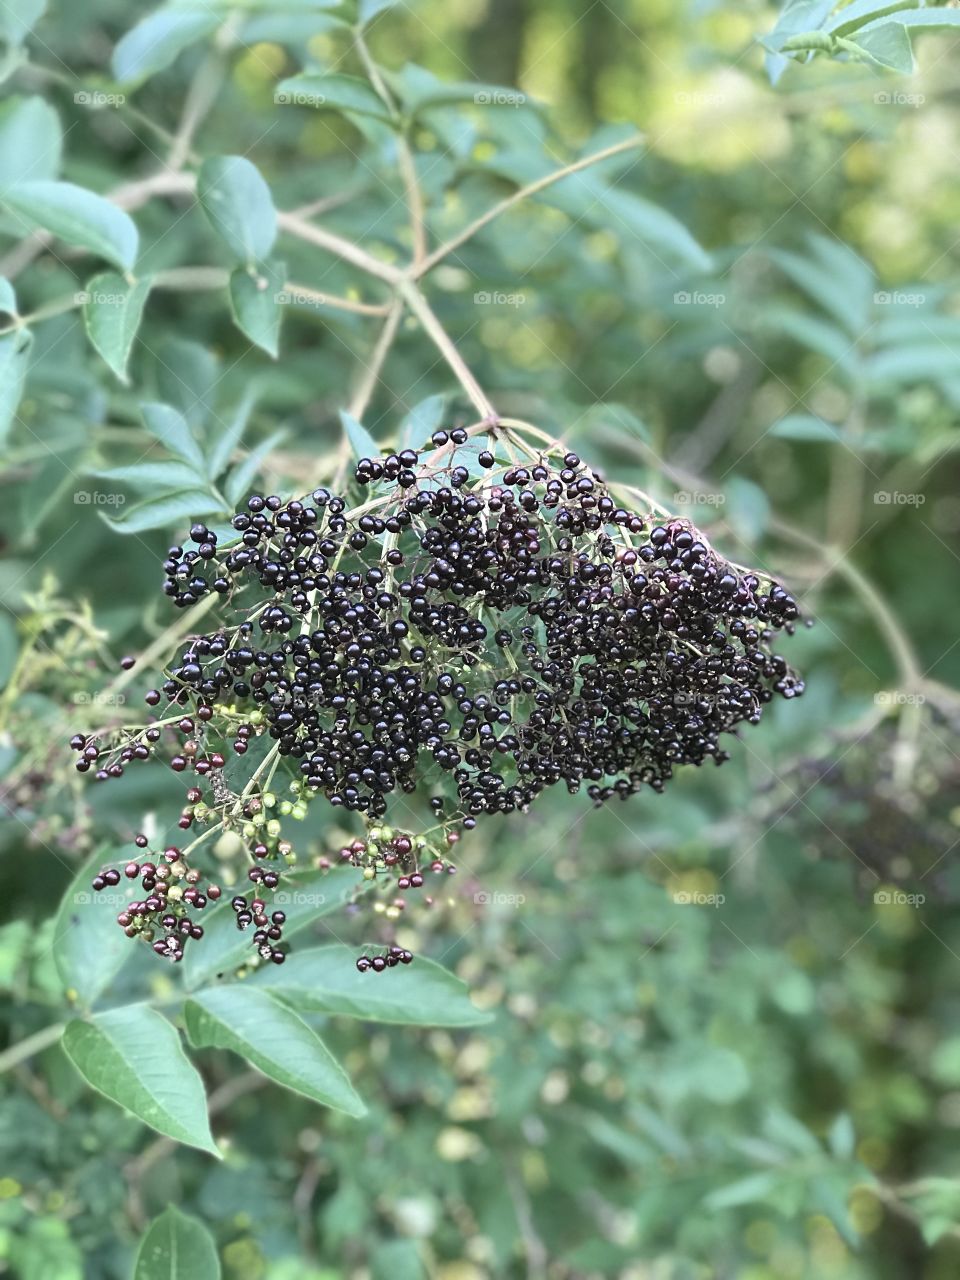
(727, 1033)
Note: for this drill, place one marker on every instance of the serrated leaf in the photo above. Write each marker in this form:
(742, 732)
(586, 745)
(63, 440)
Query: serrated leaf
(253, 299)
(347, 94)
(361, 441)
(112, 311)
(241, 477)
(88, 947)
(172, 429)
(77, 216)
(326, 980)
(165, 510)
(176, 1247)
(133, 1056)
(30, 141)
(304, 896)
(239, 206)
(422, 420)
(14, 364)
(156, 40)
(274, 1039)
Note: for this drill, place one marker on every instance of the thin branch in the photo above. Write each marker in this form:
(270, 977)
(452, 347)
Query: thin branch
(26, 1048)
(297, 226)
(445, 345)
(523, 193)
(371, 370)
(408, 169)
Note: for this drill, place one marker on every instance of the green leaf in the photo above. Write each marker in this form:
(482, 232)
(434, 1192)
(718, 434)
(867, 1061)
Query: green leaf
(8, 298)
(88, 947)
(176, 1247)
(152, 476)
(749, 1190)
(273, 1039)
(78, 216)
(887, 46)
(30, 140)
(912, 363)
(854, 15)
(166, 510)
(842, 1137)
(804, 426)
(935, 19)
(112, 310)
(305, 896)
(361, 441)
(748, 508)
(347, 94)
(398, 1260)
(254, 295)
(326, 980)
(188, 375)
(227, 438)
(421, 422)
(133, 1056)
(156, 40)
(835, 277)
(14, 364)
(367, 10)
(19, 17)
(172, 429)
(239, 206)
(241, 477)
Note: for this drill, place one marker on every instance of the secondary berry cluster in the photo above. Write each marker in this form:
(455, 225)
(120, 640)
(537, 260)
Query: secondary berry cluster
(477, 630)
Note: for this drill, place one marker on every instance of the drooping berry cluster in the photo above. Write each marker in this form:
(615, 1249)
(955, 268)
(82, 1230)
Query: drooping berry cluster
(478, 629)
(174, 893)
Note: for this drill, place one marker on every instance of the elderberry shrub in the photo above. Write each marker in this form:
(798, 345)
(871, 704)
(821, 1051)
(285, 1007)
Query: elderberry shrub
(486, 636)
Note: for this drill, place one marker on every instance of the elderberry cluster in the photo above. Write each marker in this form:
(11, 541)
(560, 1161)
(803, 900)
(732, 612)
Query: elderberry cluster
(476, 629)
